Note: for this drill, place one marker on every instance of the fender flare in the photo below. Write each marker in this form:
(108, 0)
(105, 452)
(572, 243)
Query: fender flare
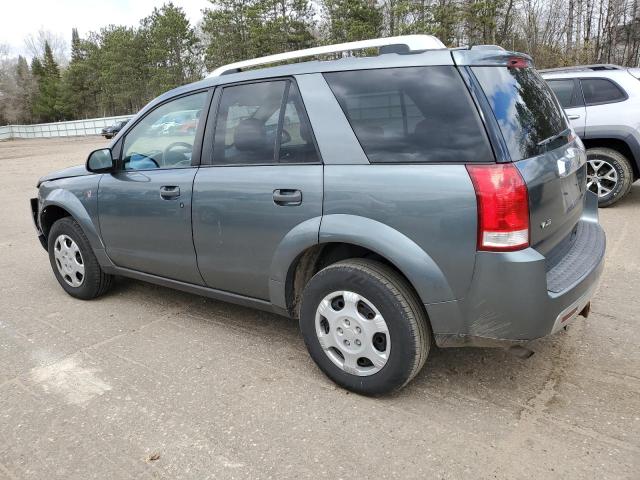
(415, 264)
(68, 201)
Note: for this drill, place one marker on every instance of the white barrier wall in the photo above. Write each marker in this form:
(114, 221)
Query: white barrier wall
(91, 126)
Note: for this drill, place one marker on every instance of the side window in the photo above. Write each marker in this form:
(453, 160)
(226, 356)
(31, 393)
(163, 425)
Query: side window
(296, 137)
(164, 138)
(600, 90)
(564, 90)
(253, 128)
(412, 115)
(247, 123)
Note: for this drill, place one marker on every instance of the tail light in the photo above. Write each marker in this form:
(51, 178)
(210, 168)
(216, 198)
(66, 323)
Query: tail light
(503, 207)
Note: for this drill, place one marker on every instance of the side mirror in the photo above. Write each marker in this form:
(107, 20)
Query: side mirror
(100, 161)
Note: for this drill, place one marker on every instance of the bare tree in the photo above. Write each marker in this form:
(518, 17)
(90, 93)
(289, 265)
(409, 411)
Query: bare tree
(34, 44)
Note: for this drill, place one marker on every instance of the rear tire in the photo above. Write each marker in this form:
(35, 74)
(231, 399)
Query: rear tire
(604, 164)
(73, 262)
(389, 321)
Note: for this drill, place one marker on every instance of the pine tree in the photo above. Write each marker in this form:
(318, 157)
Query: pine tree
(286, 25)
(238, 30)
(36, 67)
(124, 73)
(48, 105)
(228, 28)
(350, 20)
(25, 90)
(76, 46)
(172, 48)
(79, 85)
(481, 18)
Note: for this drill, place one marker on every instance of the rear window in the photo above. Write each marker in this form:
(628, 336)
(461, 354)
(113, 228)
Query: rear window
(412, 115)
(526, 110)
(599, 90)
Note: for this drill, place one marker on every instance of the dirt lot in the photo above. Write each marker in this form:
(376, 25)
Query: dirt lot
(151, 383)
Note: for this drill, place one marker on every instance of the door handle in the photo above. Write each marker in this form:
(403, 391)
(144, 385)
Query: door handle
(168, 192)
(287, 197)
(573, 116)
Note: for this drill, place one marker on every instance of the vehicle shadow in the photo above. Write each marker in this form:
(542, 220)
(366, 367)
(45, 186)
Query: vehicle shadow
(466, 372)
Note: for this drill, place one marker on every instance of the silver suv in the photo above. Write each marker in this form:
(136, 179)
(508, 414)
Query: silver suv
(419, 195)
(603, 105)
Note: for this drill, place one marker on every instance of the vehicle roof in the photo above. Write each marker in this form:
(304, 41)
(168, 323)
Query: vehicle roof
(444, 56)
(483, 55)
(430, 57)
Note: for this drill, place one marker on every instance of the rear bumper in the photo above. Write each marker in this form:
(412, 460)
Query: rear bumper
(519, 296)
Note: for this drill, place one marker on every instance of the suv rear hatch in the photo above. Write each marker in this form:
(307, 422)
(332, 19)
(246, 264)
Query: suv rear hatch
(536, 136)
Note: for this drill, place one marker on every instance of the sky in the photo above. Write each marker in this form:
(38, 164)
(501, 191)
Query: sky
(20, 18)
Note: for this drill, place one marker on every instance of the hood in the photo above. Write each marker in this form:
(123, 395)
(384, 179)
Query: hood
(76, 171)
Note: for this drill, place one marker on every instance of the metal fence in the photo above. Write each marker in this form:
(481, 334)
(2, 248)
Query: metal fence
(91, 126)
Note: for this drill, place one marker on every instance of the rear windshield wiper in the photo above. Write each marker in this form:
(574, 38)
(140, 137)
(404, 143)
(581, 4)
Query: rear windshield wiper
(550, 139)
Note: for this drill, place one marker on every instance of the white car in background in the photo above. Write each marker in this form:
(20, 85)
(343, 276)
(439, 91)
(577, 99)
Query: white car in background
(603, 104)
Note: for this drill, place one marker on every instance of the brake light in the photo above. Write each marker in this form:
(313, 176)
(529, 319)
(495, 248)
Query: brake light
(517, 62)
(503, 207)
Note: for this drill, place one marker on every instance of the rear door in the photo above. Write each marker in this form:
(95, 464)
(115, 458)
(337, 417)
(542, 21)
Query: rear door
(542, 146)
(262, 179)
(570, 97)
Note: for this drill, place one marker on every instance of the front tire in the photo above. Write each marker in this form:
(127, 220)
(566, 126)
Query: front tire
(73, 262)
(609, 175)
(364, 326)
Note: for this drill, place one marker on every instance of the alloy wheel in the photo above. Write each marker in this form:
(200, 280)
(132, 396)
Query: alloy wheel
(602, 177)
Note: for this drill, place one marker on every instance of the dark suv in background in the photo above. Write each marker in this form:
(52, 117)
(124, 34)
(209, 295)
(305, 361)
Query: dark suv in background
(112, 130)
(423, 194)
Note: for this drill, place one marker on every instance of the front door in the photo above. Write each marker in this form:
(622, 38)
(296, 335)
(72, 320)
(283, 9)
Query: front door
(264, 179)
(145, 207)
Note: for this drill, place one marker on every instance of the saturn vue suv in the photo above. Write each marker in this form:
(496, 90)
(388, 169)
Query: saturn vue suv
(390, 202)
(603, 104)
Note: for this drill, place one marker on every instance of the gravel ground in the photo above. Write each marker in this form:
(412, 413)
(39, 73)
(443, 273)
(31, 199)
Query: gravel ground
(148, 382)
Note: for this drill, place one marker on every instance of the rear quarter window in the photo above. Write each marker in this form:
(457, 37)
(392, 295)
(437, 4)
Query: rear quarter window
(600, 90)
(412, 115)
(525, 108)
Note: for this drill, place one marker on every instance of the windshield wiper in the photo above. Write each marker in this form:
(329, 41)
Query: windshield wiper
(550, 139)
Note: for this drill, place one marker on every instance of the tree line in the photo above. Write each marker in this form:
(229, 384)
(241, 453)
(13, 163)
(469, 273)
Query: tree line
(118, 69)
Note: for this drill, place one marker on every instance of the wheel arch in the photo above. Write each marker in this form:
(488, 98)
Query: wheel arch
(348, 236)
(49, 215)
(61, 203)
(623, 144)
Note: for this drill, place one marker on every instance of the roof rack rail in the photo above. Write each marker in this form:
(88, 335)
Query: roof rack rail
(412, 43)
(584, 68)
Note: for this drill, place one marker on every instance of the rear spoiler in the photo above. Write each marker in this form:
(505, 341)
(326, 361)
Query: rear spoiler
(490, 56)
(635, 72)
